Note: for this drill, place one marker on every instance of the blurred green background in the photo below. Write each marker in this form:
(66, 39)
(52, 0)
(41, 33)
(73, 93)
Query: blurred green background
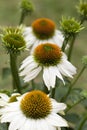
(53, 9)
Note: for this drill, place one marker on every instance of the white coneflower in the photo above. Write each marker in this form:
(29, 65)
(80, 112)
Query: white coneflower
(42, 30)
(34, 111)
(49, 58)
(5, 99)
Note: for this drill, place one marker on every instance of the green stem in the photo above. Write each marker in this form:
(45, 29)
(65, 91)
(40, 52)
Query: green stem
(71, 85)
(33, 84)
(78, 76)
(52, 92)
(82, 122)
(45, 89)
(65, 43)
(82, 20)
(71, 47)
(22, 18)
(14, 70)
(70, 107)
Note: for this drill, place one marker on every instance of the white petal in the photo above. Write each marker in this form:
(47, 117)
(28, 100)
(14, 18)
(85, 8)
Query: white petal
(49, 77)
(66, 68)
(9, 116)
(27, 30)
(28, 69)
(30, 124)
(32, 74)
(58, 74)
(3, 103)
(52, 76)
(58, 38)
(65, 72)
(31, 42)
(17, 122)
(26, 62)
(11, 107)
(43, 125)
(56, 120)
(69, 67)
(57, 107)
(4, 96)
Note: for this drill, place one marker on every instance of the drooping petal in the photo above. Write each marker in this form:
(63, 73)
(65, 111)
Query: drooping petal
(17, 122)
(57, 107)
(9, 116)
(56, 120)
(52, 76)
(49, 77)
(66, 68)
(31, 75)
(4, 96)
(58, 74)
(3, 99)
(28, 68)
(26, 62)
(58, 38)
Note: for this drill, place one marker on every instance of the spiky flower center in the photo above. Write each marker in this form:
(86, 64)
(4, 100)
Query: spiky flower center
(43, 28)
(36, 105)
(47, 54)
(14, 40)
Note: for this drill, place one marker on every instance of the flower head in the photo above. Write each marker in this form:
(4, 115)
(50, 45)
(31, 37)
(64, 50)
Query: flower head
(13, 40)
(42, 30)
(5, 99)
(49, 58)
(82, 9)
(34, 110)
(70, 26)
(47, 54)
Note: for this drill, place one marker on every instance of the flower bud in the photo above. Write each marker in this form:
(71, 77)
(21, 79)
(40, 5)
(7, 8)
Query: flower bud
(26, 7)
(70, 26)
(82, 9)
(12, 39)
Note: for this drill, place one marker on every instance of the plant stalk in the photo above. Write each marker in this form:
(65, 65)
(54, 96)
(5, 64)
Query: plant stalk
(14, 71)
(71, 47)
(71, 85)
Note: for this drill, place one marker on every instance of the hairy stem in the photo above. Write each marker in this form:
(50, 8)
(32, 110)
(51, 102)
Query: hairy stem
(14, 71)
(22, 17)
(71, 47)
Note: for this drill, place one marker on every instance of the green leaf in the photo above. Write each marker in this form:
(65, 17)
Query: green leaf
(72, 117)
(3, 126)
(75, 95)
(61, 89)
(84, 93)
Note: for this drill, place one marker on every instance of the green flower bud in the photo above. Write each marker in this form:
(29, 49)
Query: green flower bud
(70, 26)
(13, 97)
(26, 7)
(82, 9)
(84, 61)
(13, 40)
